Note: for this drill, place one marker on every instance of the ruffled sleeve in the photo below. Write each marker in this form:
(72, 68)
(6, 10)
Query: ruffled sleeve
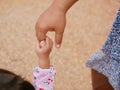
(44, 78)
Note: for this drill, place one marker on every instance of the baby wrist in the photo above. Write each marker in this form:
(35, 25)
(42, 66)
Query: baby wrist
(44, 63)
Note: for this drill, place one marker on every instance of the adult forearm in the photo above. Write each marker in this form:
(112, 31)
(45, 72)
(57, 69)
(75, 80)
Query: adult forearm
(63, 5)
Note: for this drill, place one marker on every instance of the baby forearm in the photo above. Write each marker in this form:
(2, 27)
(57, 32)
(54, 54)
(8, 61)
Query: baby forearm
(63, 5)
(44, 64)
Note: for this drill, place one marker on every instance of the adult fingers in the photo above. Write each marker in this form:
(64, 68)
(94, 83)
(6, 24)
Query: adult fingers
(58, 39)
(40, 32)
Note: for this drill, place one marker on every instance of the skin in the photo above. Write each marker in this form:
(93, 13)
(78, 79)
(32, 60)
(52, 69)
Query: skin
(48, 20)
(43, 50)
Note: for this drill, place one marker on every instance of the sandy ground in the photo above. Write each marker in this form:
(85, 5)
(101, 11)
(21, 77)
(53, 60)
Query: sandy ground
(88, 24)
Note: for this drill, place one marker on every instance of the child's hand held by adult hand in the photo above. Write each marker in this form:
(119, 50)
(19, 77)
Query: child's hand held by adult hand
(43, 50)
(52, 19)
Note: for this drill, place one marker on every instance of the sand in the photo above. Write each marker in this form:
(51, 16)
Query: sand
(88, 24)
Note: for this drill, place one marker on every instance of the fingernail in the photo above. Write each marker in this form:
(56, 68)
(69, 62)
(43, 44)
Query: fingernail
(58, 46)
(42, 43)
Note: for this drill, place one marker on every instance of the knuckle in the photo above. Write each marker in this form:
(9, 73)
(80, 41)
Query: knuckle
(36, 25)
(40, 26)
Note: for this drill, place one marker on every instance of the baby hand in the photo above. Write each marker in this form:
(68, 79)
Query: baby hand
(43, 50)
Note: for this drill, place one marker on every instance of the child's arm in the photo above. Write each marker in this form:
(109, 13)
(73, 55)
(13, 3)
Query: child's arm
(44, 74)
(53, 19)
(43, 50)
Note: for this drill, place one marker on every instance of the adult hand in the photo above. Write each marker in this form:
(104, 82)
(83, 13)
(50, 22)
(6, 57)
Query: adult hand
(54, 19)
(51, 20)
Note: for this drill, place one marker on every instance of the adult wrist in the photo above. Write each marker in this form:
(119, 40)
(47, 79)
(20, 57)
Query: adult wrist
(63, 5)
(59, 7)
